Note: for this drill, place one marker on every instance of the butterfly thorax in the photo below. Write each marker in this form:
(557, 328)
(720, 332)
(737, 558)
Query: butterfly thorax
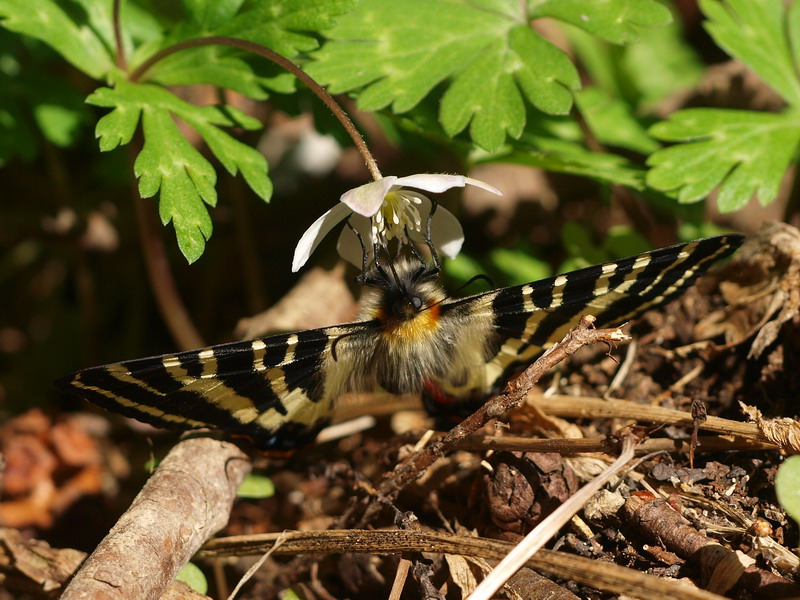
(409, 338)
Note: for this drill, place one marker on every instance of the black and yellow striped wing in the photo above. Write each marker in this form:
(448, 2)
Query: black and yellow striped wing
(529, 318)
(269, 389)
(279, 390)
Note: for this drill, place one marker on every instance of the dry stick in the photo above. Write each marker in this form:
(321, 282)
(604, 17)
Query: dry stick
(513, 394)
(598, 408)
(596, 574)
(186, 501)
(253, 568)
(605, 444)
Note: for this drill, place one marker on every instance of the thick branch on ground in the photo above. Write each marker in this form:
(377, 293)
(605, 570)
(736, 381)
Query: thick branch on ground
(596, 574)
(185, 502)
(514, 393)
(722, 567)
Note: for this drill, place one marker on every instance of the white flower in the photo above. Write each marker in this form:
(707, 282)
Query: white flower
(387, 209)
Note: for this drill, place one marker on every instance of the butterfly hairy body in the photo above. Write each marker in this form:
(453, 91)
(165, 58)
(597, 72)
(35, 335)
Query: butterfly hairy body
(409, 337)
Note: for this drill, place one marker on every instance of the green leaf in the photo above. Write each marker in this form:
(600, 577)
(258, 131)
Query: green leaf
(618, 21)
(74, 38)
(211, 13)
(612, 121)
(742, 152)
(35, 95)
(291, 594)
(213, 65)
(171, 165)
(661, 65)
(787, 486)
(568, 157)
(284, 26)
(519, 266)
(623, 241)
(256, 486)
(579, 244)
(192, 576)
(485, 48)
(280, 26)
(642, 74)
(754, 31)
(462, 268)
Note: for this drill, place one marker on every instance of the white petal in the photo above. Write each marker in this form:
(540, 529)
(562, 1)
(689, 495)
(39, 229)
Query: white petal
(446, 233)
(314, 234)
(367, 199)
(431, 182)
(438, 183)
(483, 185)
(348, 246)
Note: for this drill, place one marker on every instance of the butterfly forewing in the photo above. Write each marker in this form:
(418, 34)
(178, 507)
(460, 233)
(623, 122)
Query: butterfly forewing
(529, 318)
(264, 388)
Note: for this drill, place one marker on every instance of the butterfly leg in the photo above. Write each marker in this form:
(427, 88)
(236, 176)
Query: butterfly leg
(434, 255)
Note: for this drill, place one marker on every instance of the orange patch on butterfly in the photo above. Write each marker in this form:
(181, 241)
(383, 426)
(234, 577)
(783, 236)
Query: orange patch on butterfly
(422, 325)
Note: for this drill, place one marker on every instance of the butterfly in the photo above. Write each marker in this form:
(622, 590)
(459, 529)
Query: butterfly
(410, 337)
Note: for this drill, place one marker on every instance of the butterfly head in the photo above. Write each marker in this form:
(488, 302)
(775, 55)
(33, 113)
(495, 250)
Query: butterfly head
(401, 292)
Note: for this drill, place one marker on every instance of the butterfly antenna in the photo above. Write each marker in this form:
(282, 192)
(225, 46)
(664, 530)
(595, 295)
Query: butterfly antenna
(470, 281)
(336, 342)
(474, 278)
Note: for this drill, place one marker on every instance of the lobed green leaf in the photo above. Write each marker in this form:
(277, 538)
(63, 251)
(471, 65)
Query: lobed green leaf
(71, 35)
(741, 152)
(755, 32)
(170, 165)
(618, 21)
(571, 158)
(284, 27)
(485, 49)
(612, 121)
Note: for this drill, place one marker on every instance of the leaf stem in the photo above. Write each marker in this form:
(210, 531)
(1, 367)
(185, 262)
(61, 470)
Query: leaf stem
(284, 63)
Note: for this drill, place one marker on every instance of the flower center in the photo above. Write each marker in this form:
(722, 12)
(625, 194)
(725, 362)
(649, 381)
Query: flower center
(398, 215)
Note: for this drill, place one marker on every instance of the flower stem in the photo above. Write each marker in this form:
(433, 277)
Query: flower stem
(122, 62)
(286, 64)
